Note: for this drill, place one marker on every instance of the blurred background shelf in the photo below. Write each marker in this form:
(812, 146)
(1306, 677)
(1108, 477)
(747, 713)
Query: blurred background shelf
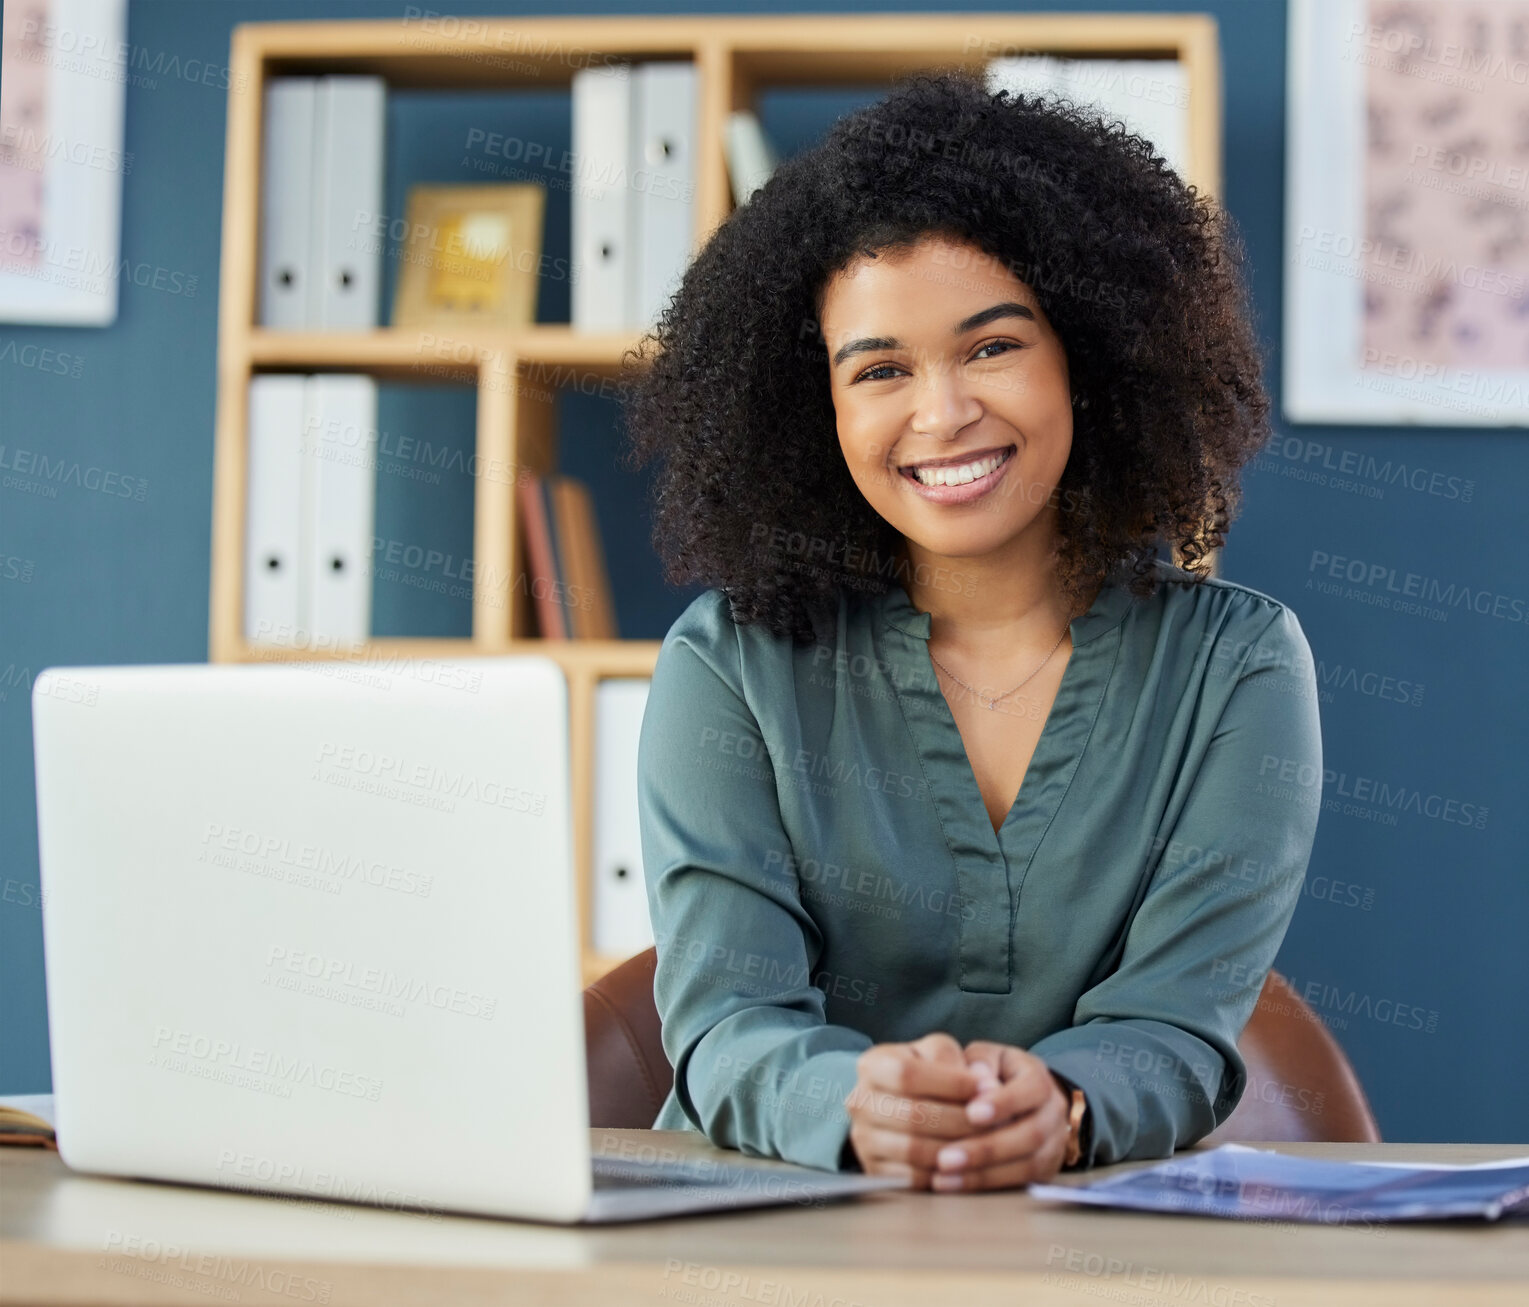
(411, 352)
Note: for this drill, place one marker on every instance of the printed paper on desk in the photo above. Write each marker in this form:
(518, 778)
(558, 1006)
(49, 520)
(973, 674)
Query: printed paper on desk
(1261, 1184)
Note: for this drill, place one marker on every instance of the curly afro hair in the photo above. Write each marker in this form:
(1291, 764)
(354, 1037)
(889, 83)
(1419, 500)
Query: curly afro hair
(1139, 274)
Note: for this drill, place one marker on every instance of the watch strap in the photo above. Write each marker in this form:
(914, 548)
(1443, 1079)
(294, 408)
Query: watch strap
(1075, 1128)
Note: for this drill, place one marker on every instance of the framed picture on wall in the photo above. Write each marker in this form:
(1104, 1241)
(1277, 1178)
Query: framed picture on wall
(1407, 212)
(63, 78)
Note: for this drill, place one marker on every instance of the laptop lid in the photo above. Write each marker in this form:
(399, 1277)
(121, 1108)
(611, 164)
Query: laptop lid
(311, 928)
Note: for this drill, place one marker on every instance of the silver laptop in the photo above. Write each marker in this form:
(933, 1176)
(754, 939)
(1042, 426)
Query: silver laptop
(311, 929)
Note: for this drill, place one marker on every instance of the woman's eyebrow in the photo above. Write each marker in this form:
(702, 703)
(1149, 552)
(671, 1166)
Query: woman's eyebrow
(1007, 309)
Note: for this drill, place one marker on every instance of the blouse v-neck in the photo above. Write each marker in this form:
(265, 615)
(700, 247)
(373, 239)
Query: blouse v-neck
(991, 865)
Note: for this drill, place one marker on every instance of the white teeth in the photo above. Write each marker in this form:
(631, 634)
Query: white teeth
(961, 474)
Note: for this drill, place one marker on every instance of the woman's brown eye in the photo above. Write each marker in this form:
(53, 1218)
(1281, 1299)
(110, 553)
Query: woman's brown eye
(1004, 344)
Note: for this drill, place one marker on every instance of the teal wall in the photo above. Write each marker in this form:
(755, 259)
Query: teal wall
(1421, 923)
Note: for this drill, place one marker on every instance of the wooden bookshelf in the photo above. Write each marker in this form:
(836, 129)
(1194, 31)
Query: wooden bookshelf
(736, 57)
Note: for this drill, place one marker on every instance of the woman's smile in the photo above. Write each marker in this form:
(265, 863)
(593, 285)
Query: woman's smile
(960, 482)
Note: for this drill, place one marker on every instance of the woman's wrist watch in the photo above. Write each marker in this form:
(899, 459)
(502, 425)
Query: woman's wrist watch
(1075, 1115)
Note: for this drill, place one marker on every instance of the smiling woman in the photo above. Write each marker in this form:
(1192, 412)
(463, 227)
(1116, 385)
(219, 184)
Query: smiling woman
(927, 410)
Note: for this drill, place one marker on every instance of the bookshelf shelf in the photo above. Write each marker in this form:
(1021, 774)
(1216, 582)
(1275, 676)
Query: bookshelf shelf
(419, 353)
(605, 657)
(517, 373)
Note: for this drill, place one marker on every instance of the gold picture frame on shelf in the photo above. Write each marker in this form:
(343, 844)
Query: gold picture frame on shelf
(471, 256)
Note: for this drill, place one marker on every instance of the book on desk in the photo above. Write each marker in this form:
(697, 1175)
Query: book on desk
(27, 1119)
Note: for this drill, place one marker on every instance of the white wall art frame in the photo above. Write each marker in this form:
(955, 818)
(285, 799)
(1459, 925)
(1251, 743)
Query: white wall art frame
(66, 82)
(1406, 271)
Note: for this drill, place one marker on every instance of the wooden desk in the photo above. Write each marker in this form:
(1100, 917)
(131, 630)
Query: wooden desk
(68, 1238)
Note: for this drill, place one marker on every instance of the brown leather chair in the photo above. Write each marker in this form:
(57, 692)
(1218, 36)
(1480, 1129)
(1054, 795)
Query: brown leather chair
(629, 1072)
(1300, 1085)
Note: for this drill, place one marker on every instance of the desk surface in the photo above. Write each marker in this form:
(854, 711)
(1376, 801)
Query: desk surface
(71, 1238)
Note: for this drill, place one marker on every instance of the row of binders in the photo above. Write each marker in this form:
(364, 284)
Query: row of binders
(309, 508)
(320, 196)
(633, 202)
(310, 511)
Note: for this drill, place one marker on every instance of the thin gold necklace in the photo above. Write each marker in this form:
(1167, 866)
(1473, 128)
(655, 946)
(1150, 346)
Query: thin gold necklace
(993, 703)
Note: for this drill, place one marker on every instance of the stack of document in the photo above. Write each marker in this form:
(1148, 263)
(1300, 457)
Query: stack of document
(634, 146)
(1151, 96)
(309, 511)
(1263, 1185)
(320, 200)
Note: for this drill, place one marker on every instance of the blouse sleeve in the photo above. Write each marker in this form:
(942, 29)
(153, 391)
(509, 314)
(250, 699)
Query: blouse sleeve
(1153, 1045)
(757, 1067)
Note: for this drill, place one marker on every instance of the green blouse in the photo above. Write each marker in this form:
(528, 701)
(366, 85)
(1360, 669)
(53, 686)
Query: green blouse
(822, 874)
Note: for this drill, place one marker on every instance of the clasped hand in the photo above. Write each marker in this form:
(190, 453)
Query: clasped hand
(987, 1116)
